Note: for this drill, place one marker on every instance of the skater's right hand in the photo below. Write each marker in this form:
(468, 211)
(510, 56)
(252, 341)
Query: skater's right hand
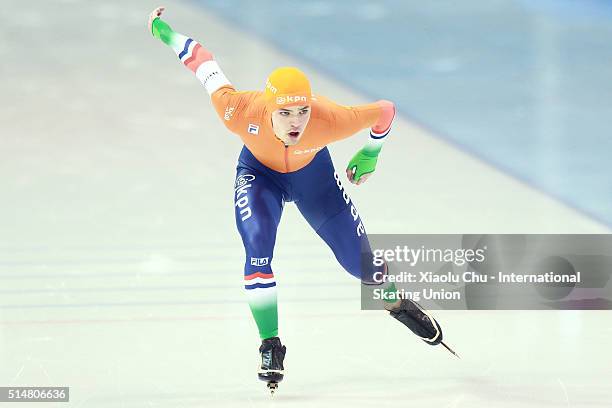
(154, 14)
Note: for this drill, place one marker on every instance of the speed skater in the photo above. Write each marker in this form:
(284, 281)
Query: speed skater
(285, 129)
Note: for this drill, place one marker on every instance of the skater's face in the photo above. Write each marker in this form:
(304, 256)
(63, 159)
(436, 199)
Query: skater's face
(289, 123)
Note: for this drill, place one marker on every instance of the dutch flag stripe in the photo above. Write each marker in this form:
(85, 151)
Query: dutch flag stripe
(259, 280)
(259, 275)
(260, 286)
(185, 49)
(195, 60)
(375, 135)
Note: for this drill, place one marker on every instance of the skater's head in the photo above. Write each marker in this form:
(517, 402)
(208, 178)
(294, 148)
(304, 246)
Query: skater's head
(288, 97)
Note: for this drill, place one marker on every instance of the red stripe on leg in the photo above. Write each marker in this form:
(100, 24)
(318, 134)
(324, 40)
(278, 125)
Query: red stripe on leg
(259, 275)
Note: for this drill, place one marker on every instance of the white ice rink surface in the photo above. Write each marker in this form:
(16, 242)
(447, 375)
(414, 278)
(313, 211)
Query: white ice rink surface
(121, 270)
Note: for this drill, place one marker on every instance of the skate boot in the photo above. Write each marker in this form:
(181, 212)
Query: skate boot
(412, 315)
(272, 356)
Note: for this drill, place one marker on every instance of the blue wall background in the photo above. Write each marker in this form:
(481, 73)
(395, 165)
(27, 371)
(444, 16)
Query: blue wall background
(523, 85)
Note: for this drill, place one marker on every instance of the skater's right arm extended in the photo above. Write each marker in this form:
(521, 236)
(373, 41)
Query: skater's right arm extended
(226, 100)
(191, 53)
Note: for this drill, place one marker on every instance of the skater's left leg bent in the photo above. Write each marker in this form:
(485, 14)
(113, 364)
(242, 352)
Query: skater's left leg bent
(336, 220)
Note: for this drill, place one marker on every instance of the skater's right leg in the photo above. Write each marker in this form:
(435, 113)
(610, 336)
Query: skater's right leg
(258, 204)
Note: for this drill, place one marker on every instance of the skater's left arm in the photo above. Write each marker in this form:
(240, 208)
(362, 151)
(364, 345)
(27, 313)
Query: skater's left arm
(363, 163)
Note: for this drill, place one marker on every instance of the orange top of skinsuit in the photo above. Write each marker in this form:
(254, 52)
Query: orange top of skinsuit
(249, 115)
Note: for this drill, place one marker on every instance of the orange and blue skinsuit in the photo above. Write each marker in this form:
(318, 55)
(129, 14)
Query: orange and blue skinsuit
(269, 173)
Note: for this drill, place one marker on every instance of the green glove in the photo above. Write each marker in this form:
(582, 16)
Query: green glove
(363, 162)
(160, 29)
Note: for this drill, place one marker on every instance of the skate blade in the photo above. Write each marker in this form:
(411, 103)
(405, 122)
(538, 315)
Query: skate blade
(450, 349)
(272, 386)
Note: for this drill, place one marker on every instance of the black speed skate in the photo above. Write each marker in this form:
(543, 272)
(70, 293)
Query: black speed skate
(420, 322)
(412, 315)
(272, 356)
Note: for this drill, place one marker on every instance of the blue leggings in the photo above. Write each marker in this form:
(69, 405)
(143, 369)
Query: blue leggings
(260, 194)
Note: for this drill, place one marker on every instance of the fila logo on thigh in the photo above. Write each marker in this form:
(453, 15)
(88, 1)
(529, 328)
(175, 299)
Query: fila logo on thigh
(360, 229)
(242, 200)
